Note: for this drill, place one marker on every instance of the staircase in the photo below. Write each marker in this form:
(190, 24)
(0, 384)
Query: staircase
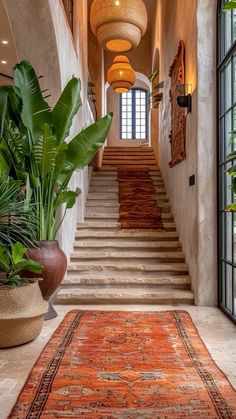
(110, 265)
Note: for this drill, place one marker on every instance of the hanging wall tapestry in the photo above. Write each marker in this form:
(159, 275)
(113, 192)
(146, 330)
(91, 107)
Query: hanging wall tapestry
(178, 118)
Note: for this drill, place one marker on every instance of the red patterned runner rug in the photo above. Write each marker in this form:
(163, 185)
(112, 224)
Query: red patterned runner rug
(138, 200)
(115, 365)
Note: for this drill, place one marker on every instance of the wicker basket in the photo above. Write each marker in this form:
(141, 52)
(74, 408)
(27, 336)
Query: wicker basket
(22, 311)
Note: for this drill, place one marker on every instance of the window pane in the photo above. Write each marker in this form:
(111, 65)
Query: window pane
(228, 39)
(133, 114)
(228, 86)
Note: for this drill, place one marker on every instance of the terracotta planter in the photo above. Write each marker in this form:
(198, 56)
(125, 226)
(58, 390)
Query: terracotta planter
(53, 259)
(22, 310)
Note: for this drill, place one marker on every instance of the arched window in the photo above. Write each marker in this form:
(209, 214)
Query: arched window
(226, 69)
(134, 115)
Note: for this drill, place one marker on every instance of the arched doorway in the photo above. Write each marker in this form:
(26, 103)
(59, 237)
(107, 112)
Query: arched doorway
(131, 119)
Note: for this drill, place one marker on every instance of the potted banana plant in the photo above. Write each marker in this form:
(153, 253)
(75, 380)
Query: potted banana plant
(22, 307)
(34, 150)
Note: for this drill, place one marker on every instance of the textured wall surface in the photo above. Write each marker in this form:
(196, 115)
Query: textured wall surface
(72, 53)
(193, 21)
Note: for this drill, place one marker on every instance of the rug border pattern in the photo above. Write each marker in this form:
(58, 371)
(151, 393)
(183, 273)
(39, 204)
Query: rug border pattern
(46, 380)
(218, 400)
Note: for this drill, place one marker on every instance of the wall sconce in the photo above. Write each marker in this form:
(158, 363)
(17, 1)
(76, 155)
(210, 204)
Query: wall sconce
(184, 100)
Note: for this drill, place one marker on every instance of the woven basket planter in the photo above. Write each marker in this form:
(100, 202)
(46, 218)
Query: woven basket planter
(22, 312)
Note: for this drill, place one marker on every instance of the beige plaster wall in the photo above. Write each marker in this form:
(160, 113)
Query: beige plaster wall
(72, 54)
(193, 21)
(206, 153)
(34, 38)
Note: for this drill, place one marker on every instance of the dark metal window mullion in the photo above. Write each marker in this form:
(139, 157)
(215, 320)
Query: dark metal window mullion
(134, 114)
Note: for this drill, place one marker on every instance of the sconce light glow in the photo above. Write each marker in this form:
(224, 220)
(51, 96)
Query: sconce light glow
(117, 3)
(4, 62)
(4, 42)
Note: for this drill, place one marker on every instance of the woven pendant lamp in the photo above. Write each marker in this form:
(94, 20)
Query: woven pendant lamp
(121, 76)
(118, 24)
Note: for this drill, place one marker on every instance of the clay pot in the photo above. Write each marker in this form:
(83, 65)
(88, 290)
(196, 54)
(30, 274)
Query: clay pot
(53, 259)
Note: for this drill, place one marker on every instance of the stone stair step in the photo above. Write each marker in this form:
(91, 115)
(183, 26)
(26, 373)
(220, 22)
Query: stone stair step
(115, 216)
(108, 196)
(102, 204)
(103, 189)
(104, 182)
(115, 205)
(116, 243)
(101, 211)
(115, 189)
(131, 234)
(114, 224)
(128, 148)
(116, 278)
(131, 163)
(134, 156)
(126, 253)
(124, 295)
(127, 266)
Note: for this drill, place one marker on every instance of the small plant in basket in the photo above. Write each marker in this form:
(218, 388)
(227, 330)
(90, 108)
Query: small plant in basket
(22, 307)
(12, 262)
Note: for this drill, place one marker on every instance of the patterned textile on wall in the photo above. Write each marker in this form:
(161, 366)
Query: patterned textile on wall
(178, 118)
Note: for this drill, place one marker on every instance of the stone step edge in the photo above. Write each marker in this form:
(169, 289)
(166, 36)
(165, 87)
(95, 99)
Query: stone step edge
(69, 296)
(126, 280)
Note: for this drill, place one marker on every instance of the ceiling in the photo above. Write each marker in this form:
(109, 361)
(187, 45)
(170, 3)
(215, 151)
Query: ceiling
(7, 51)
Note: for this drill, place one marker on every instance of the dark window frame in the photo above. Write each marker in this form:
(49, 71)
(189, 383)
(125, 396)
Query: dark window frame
(226, 112)
(133, 117)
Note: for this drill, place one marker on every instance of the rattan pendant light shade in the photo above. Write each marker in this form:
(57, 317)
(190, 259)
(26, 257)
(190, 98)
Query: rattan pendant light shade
(118, 24)
(121, 76)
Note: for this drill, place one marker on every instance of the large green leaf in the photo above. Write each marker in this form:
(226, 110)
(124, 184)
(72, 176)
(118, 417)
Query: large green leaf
(44, 151)
(66, 197)
(27, 265)
(232, 170)
(66, 108)
(230, 5)
(35, 110)
(18, 251)
(4, 162)
(231, 156)
(4, 258)
(8, 189)
(17, 143)
(84, 146)
(10, 106)
(230, 207)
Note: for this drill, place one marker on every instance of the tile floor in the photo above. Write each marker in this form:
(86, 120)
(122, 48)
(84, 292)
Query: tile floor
(216, 330)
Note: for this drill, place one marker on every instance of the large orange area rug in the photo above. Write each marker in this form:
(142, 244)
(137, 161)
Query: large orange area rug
(138, 200)
(115, 365)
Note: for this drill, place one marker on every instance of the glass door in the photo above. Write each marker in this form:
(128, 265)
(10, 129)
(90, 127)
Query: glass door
(226, 69)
